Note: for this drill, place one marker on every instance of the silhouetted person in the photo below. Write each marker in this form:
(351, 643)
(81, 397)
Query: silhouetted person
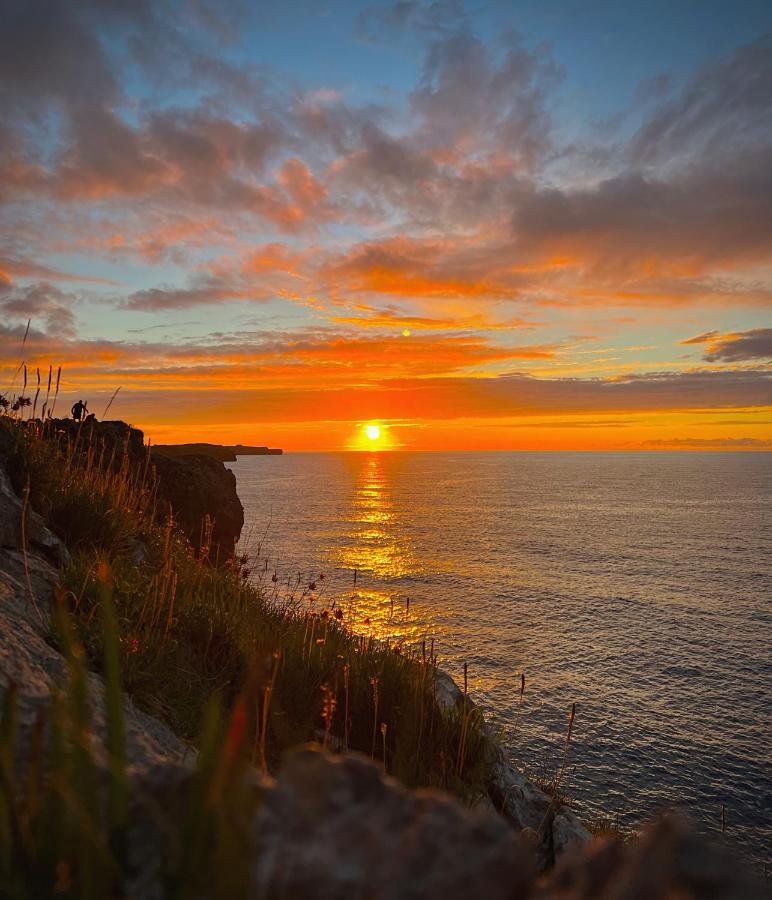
(78, 409)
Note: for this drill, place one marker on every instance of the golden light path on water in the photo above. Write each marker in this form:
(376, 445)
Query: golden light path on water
(375, 545)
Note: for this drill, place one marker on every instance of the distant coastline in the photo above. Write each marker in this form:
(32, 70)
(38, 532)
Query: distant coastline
(223, 452)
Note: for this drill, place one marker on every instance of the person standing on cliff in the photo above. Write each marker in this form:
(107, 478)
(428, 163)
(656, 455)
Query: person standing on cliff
(79, 409)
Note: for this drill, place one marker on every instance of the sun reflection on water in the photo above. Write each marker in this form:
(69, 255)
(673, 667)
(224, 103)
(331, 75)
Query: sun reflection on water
(376, 545)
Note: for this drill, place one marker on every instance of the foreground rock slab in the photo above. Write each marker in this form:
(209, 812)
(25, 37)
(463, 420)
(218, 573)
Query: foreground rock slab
(336, 827)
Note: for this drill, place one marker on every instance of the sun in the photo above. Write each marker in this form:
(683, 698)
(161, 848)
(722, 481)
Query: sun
(372, 436)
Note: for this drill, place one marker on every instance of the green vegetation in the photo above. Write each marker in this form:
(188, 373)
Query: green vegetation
(187, 631)
(64, 812)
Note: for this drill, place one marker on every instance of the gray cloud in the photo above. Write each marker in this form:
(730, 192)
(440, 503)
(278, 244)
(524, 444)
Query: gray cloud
(204, 292)
(735, 347)
(41, 302)
(404, 18)
(724, 108)
(472, 97)
(48, 53)
(703, 216)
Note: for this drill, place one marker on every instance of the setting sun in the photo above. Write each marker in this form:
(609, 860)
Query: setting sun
(372, 436)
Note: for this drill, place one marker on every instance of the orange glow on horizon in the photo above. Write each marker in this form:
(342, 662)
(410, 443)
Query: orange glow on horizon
(380, 394)
(709, 430)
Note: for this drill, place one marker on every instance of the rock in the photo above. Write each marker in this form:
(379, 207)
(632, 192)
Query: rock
(27, 579)
(199, 488)
(336, 827)
(518, 799)
(447, 693)
(30, 575)
(669, 860)
(36, 668)
(526, 806)
(37, 535)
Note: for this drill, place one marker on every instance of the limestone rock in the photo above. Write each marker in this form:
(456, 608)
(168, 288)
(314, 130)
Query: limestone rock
(37, 535)
(35, 668)
(447, 693)
(526, 806)
(336, 827)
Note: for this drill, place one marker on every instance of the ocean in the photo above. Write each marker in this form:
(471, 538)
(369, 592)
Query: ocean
(636, 585)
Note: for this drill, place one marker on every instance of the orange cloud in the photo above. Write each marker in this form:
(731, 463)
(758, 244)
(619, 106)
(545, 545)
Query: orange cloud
(409, 267)
(273, 257)
(397, 320)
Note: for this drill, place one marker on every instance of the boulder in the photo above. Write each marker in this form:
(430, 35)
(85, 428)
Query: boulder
(335, 827)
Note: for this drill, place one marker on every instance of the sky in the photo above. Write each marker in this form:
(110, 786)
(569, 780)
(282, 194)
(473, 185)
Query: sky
(519, 225)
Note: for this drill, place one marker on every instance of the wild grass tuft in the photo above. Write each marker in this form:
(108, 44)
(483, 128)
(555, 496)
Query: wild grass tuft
(64, 801)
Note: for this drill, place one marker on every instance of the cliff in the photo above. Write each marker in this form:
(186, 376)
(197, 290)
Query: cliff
(201, 492)
(223, 452)
(198, 489)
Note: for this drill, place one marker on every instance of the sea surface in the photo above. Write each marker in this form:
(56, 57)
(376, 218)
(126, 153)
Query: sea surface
(636, 585)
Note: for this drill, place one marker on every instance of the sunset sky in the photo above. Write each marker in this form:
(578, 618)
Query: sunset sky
(516, 225)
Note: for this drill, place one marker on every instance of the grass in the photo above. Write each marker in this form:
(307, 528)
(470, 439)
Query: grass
(608, 826)
(64, 810)
(187, 631)
(549, 785)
